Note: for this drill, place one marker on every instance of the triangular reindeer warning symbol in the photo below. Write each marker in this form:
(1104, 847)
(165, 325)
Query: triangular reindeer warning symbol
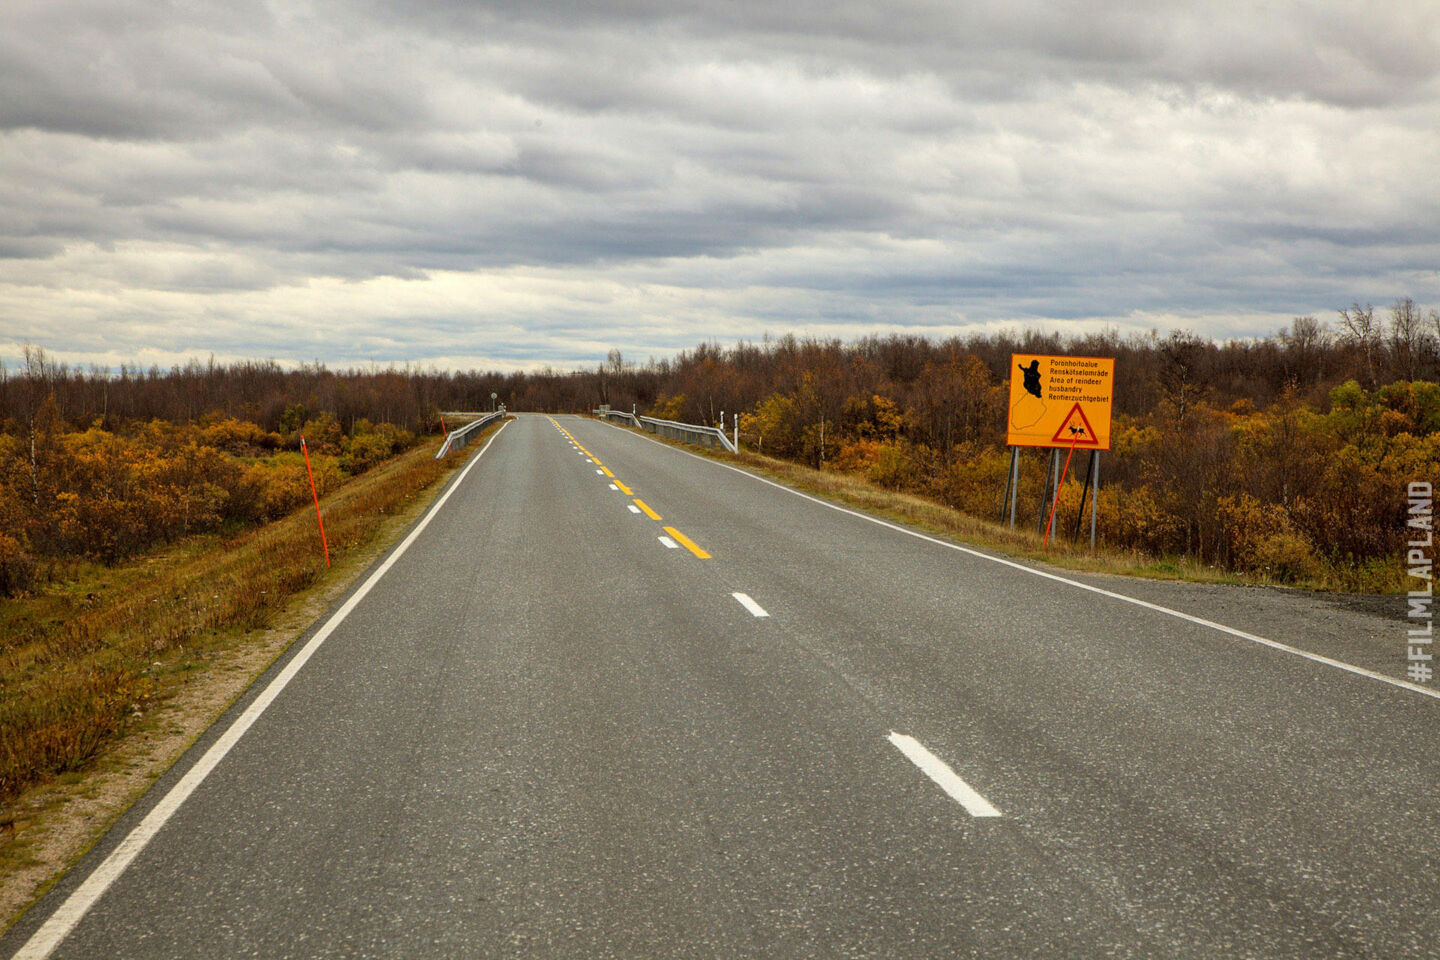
(1075, 430)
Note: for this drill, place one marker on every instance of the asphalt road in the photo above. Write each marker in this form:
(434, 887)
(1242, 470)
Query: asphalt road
(551, 728)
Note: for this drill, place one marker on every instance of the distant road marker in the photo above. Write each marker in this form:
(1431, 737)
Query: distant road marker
(939, 771)
(754, 608)
(633, 508)
(670, 544)
(613, 487)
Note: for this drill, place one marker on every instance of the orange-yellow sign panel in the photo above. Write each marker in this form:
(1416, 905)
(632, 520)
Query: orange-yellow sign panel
(1060, 401)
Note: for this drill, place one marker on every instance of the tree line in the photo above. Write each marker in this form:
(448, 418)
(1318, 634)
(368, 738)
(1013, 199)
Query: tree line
(1285, 454)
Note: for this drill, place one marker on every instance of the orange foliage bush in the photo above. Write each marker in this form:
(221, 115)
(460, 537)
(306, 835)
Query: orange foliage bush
(110, 494)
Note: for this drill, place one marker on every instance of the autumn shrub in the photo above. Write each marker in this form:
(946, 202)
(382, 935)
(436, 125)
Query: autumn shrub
(892, 467)
(322, 434)
(855, 455)
(369, 445)
(277, 485)
(1138, 518)
(1287, 556)
(668, 407)
(240, 438)
(974, 480)
(108, 494)
(1260, 537)
(774, 427)
(17, 566)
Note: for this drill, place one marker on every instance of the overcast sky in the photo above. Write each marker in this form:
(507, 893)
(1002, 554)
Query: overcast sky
(525, 182)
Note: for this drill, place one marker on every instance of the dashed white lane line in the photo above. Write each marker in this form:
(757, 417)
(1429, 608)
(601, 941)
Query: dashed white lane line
(601, 472)
(670, 543)
(615, 488)
(754, 608)
(633, 508)
(939, 771)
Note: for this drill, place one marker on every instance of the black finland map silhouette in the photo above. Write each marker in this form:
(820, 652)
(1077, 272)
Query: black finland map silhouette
(1030, 408)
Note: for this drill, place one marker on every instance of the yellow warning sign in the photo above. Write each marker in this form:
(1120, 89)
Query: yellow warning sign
(1060, 401)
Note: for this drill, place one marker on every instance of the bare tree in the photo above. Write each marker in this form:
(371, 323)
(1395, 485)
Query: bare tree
(1306, 343)
(1182, 382)
(1359, 329)
(1406, 336)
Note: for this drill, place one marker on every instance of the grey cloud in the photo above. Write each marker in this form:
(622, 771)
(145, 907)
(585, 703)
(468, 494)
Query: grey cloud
(919, 160)
(1342, 53)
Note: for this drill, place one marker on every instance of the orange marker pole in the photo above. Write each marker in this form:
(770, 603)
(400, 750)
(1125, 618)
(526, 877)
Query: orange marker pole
(1049, 524)
(316, 495)
(442, 427)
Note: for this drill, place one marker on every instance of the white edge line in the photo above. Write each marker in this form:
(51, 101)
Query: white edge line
(671, 544)
(939, 771)
(73, 910)
(754, 608)
(1201, 621)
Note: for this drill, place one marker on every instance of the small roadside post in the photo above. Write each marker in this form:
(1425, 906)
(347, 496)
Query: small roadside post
(318, 519)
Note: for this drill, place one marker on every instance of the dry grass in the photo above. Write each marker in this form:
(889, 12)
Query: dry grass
(90, 658)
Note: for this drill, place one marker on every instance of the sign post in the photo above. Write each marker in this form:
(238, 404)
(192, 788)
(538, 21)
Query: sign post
(1059, 403)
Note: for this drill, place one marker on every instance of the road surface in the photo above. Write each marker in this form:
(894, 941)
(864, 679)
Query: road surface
(615, 700)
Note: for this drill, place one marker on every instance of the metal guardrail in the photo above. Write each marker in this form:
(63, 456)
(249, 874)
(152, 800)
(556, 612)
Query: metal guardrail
(457, 438)
(687, 432)
(625, 415)
(684, 432)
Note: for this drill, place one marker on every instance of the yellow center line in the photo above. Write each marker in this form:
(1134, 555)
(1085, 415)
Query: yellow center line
(686, 542)
(675, 535)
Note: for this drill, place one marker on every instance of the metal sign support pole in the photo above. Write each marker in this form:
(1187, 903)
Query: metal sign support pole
(1007, 504)
(1014, 485)
(1084, 495)
(1094, 499)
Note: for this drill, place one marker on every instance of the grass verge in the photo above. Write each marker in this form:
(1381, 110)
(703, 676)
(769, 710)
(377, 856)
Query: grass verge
(110, 676)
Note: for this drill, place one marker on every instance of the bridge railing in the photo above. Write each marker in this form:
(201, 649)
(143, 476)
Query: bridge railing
(604, 413)
(688, 432)
(460, 436)
(674, 430)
